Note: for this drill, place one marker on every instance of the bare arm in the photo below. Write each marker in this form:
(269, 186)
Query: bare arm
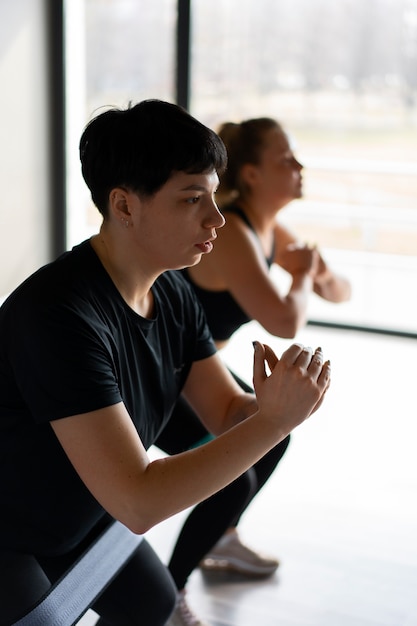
(237, 264)
(107, 453)
(331, 286)
(327, 284)
(221, 404)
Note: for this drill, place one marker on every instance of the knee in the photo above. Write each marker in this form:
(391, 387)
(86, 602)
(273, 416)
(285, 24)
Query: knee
(166, 606)
(245, 486)
(279, 450)
(163, 599)
(284, 444)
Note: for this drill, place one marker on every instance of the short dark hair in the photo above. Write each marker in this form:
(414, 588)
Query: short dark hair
(140, 147)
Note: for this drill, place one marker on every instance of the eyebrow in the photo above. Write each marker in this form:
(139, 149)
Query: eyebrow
(195, 188)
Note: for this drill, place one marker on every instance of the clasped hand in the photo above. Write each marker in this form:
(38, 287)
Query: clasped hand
(300, 259)
(295, 385)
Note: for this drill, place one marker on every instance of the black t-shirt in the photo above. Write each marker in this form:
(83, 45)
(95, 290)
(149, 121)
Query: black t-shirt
(224, 314)
(69, 344)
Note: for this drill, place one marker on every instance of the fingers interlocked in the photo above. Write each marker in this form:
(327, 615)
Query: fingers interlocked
(317, 358)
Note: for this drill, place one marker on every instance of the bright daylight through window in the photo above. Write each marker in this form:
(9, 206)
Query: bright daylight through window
(340, 76)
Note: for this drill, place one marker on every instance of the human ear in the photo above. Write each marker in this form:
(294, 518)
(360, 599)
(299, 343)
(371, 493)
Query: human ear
(249, 174)
(119, 201)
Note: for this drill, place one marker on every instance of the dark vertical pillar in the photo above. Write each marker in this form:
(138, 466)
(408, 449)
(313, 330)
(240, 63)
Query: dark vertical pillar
(183, 53)
(56, 88)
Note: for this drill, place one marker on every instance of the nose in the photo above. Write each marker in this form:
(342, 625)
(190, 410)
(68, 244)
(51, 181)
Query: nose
(216, 219)
(298, 165)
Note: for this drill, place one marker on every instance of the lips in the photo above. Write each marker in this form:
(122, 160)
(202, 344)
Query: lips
(205, 247)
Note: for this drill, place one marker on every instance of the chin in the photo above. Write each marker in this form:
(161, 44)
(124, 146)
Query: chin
(196, 261)
(190, 263)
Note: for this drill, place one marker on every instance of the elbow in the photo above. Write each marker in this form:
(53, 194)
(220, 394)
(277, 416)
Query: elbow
(289, 323)
(139, 528)
(140, 525)
(334, 291)
(346, 293)
(286, 329)
(293, 326)
(139, 520)
(288, 320)
(345, 297)
(137, 524)
(290, 333)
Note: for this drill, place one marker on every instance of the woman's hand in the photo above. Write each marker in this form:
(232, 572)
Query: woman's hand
(295, 385)
(299, 259)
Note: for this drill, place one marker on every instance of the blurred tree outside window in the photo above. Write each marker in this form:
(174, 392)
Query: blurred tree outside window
(342, 78)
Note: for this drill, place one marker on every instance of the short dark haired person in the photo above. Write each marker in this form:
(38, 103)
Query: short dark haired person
(95, 349)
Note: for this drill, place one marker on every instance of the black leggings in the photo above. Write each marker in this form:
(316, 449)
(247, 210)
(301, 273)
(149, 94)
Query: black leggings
(142, 593)
(209, 520)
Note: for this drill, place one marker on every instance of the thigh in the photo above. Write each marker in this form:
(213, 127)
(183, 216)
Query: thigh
(142, 593)
(241, 383)
(23, 583)
(183, 431)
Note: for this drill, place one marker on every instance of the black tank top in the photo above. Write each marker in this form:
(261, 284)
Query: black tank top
(224, 315)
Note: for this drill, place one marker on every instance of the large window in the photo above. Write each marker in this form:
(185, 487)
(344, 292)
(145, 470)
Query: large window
(117, 51)
(342, 78)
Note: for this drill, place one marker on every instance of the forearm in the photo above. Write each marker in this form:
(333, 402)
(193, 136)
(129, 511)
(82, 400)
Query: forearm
(242, 407)
(296, 302)
(110, 459)
(293, 391)
(175, 483)
(282, 315)
(332, 287)
(180, 468)
(106, 451)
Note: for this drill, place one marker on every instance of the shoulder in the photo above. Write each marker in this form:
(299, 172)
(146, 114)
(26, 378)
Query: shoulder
(52, 287)
(234, 240)
(235, 215)
(283, 235)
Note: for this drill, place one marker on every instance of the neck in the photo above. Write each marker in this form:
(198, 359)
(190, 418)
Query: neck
(260, 213)
(128, 277)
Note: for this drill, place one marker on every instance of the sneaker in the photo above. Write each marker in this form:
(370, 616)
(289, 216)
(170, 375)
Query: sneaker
(183, 615)
(230, 554)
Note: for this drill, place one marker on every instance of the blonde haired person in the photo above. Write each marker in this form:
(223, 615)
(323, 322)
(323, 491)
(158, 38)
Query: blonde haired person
(234, 285)
(262, 177)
